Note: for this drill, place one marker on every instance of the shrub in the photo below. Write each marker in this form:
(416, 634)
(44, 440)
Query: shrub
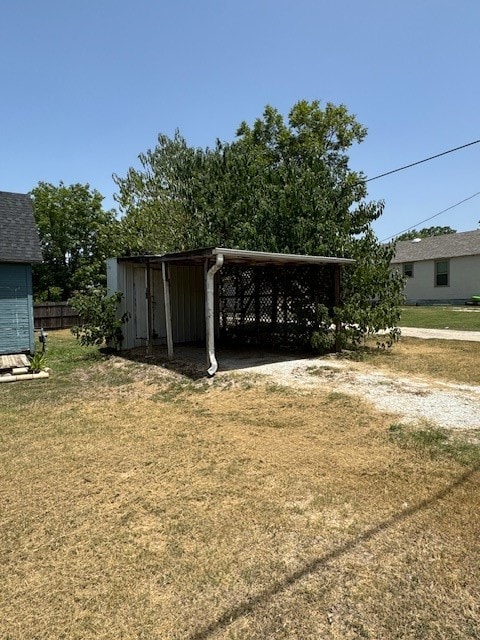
(99, 323)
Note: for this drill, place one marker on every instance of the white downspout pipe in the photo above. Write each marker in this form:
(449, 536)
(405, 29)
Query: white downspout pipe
(210, 313)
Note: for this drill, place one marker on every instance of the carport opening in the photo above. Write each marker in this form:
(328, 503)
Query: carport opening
(229, 298)
(272, 306)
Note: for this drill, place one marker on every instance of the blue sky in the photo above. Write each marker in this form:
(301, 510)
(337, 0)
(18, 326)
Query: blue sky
(87, 86)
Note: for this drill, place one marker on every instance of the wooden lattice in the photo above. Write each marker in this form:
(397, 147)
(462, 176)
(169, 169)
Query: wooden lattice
(273, 305)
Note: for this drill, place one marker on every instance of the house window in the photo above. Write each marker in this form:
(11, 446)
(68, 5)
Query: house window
(442, 273)
(408, 269)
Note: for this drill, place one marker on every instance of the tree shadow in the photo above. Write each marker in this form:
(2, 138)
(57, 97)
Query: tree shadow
(247, 606)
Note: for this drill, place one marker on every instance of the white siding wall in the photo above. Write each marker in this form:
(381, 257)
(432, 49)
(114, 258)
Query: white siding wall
(464, 280)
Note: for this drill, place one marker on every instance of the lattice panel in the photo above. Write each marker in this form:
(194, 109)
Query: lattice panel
(272, 305)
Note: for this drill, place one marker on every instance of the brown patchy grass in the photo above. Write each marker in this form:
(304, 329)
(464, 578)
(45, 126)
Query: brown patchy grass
(450, 360)
(155, 507)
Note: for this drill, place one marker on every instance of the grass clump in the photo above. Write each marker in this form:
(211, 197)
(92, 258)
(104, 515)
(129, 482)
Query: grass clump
(436, 442)
(180, 390)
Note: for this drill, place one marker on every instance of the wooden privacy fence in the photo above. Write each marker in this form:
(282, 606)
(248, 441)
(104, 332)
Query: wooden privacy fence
(54, 315)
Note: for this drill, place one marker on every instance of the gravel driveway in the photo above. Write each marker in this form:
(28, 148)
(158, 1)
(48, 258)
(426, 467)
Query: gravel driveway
(408, 399)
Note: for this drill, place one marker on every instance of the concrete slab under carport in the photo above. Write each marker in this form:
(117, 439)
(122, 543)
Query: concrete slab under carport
(189, 360)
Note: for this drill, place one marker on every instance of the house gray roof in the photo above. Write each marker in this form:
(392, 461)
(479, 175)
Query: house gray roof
(451, 245)
(19, 240)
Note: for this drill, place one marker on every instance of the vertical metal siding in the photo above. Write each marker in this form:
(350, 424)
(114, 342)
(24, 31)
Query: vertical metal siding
(187, 300)
(159, 326)
(140, 305)
(16, 308)
(188, 303)
(120, 278)
(126, 287)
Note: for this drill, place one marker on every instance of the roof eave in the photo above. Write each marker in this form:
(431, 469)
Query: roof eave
(236, 256)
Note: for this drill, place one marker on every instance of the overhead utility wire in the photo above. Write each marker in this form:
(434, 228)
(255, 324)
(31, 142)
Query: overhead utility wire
(431, 217)
(413, 164)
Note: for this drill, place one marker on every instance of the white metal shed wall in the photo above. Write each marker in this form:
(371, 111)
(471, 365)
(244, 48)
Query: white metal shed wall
(187, 298)
(120, 278)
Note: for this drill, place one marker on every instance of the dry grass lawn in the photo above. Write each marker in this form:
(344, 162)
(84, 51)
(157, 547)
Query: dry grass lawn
(137, 504)
(451, 360)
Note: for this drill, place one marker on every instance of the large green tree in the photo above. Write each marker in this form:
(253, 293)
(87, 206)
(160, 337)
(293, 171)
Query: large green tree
(76, 235)
(282, 185)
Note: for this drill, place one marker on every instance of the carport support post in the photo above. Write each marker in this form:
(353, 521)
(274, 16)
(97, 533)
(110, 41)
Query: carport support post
(336, 302)
(168, 309)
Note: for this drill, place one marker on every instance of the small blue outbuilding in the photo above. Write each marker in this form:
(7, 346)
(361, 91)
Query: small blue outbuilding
(19, 249)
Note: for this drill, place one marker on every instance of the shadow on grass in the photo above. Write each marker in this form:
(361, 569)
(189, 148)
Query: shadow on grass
(190, 360)
(246, 607)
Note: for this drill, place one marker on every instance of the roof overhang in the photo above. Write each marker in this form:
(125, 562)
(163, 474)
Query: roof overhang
(235, 256)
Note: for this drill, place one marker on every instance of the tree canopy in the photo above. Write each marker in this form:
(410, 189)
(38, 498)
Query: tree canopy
(426, 232)
(279, 186)
(282, 185)
(76, 235)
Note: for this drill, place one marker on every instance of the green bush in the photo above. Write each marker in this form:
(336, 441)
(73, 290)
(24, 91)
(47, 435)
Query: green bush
(99, 323)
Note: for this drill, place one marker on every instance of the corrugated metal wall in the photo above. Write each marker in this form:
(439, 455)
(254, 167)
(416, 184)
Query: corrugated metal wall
(187, 298)
(120, 277)
(16, 308)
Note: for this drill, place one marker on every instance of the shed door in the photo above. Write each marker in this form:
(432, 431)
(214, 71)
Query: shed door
(16, 314)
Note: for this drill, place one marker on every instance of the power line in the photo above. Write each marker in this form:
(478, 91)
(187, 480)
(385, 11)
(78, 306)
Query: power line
(434, 216)
(413, 164)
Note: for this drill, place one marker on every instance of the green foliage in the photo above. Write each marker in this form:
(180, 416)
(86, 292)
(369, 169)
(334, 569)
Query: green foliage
(436, 443)
(426, 232)
(51, 294)
(156, 219)
(282, 185)
(322, 339)
(38, 361)
(373, 292)
(76, 235)
(99, 322)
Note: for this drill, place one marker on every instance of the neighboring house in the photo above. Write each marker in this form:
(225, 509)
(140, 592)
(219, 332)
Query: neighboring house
(19, 248)
(440, 269)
